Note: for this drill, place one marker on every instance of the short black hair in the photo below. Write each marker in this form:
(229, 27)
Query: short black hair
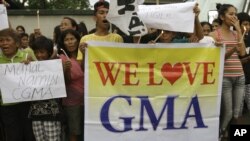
(42, 42)
(99, 4)
(20, 26)
(23, 35)
(72, 21)
(206, 23)
(10, 32)
(243, 17)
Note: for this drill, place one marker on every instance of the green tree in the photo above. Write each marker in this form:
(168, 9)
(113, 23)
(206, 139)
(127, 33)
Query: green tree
(52, 4)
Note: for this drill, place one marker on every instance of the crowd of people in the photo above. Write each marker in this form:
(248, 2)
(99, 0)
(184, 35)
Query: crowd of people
(62, 119)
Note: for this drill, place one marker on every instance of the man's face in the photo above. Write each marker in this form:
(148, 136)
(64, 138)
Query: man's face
(100, 17)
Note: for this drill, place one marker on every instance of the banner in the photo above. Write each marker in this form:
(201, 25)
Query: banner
(173, 17)
(38, 80)
(123, 14)
(152, 92)
(3, 17)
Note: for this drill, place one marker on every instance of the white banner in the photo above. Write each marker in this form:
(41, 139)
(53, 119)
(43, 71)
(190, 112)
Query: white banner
(172, 96)
(173, 17)
(38, 80)
(123, 14)
(3, 17)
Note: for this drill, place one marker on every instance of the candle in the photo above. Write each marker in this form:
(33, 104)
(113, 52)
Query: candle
(38, 20)
(157, 2)
(158, 36)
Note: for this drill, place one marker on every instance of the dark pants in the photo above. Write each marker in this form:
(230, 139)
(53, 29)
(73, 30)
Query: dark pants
(16, 125)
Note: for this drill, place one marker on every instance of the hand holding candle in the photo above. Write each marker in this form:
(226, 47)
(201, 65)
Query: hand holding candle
(65, 53)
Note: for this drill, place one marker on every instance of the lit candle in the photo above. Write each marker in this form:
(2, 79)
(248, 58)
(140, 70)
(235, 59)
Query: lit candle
(38, 20)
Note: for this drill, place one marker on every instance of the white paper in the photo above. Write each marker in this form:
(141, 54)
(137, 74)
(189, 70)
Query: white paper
(173, 17)
(3, 17)
(36, 81)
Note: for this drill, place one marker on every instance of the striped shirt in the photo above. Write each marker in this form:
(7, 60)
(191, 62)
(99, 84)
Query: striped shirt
(232, 65)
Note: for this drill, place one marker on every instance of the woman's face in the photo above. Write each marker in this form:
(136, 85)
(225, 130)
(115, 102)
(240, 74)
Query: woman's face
(70, 43)
(215, 25)
(206, 29)
(66, 24)
(9, 46)
(230, 16)
(19, 30)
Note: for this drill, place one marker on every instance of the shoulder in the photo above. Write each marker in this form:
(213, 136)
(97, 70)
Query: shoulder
(214, 35)
(116, 37)
(87, 37)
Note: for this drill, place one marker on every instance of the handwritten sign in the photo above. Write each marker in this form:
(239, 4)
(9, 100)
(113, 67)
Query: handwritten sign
(173, 17)
(3, 17)
(124, 15)
(38, 80)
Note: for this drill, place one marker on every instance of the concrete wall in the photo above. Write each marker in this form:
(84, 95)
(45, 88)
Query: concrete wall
(48, 19)
(47, 23)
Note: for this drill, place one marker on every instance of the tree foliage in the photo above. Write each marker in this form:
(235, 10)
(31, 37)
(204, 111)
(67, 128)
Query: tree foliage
(51, 4)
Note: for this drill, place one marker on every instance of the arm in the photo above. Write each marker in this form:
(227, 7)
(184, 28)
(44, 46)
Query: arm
(198, 31)
(67, 70)
(82, 47)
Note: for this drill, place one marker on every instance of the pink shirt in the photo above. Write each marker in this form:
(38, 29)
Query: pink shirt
(74, 88)
(232, 65)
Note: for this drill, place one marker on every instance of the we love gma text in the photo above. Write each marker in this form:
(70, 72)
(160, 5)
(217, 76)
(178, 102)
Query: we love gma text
(170, 74)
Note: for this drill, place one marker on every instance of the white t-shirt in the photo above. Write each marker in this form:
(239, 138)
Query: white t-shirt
(207, 39)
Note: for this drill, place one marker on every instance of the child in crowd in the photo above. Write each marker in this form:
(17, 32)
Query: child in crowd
(24, 45)
(45, 114)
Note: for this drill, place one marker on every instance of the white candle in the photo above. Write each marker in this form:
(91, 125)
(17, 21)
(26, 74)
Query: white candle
(157, 2)
(38, 20)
